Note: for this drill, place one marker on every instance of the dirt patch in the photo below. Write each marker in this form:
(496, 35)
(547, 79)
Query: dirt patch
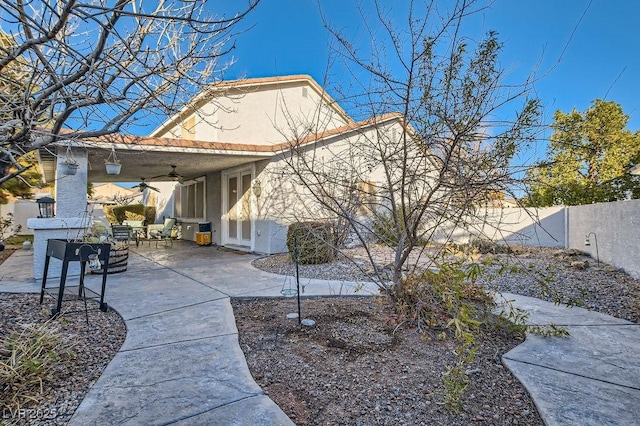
(350, 368)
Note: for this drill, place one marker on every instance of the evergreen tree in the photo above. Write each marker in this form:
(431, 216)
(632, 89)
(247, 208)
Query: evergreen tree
(588, 160)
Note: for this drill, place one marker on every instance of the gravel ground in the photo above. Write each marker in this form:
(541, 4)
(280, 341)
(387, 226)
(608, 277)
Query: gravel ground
(555, 275)
(566, 276)
(91, 346)
(350, 368)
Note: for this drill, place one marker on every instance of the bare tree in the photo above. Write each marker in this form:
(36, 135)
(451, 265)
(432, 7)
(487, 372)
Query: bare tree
(440, 143)
(80, 69)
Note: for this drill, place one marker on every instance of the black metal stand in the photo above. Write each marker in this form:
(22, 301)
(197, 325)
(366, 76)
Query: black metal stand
(74, 251)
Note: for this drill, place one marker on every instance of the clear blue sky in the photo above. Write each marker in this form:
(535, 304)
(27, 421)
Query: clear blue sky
(601, 58)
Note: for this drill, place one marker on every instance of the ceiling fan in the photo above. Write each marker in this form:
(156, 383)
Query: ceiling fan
(144, 185)
(173, 175)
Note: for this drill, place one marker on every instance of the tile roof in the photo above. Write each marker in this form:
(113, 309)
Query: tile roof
(146, 142)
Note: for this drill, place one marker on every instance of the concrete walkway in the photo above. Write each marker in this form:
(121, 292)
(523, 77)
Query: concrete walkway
(591, 377)
(181, 362)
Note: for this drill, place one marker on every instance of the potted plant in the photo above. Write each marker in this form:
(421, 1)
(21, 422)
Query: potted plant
(69, 166)
(112, 164)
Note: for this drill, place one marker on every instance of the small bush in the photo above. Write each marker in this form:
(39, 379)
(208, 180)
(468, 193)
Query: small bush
(117, 214)
(7, 227)
(313, 238)
(149, 214)
(120, 212)
(134, 216)
(385, 231)
(446, 299)
(487, 246)
(18, 239)
(99, 229)
(108, 213)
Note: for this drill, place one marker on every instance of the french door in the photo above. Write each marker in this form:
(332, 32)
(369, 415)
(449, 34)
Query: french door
(237, 207)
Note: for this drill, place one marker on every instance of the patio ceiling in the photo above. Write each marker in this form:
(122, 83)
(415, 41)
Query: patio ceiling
(148, 165)
(153, 161)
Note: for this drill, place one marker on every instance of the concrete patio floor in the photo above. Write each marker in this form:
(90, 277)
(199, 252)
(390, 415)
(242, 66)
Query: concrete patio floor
(181, 362)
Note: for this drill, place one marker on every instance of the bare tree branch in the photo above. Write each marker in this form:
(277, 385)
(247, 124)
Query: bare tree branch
(440, 144)
(74, 70)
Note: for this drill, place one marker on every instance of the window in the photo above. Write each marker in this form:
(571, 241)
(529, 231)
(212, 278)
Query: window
(189, 200)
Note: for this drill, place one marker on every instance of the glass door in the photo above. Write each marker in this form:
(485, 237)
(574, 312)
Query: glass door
(238, 205)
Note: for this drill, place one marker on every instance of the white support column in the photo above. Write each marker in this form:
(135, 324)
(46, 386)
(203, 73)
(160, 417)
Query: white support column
(71, 190)
(71, 219)
(54, 228)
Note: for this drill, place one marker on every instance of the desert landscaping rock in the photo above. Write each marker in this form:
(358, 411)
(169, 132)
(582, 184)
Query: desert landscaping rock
(544, 273)
(351, 367)
(92, 347)
(328, 375)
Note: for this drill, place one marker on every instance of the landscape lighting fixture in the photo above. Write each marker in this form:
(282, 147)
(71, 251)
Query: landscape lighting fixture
(45, 207)
(587, 243)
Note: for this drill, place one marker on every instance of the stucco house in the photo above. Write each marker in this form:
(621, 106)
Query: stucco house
(252, 125)
(222, 159)
(109, 193)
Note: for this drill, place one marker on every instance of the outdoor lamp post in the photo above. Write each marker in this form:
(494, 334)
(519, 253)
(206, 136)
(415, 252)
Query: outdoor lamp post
(587, 243)
(45, 207)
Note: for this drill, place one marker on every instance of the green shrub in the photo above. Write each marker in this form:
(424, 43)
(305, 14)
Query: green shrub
(492, 247)
(313, 242)
(385, 230)
(99, 229)
(108, 213)
(149, 214)
(120, 212)
(447, 299)
(134, 216)
(18, 239)
(117, 214)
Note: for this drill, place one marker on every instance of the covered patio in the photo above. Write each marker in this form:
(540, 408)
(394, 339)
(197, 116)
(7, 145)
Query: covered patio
(163, 162)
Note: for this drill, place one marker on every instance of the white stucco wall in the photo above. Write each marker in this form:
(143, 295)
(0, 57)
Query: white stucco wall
(617, 229)
(262, 115)
(164, 199)
(543, 227)
(21, 211)
(284, 201)
(272, 115)
(71, 190)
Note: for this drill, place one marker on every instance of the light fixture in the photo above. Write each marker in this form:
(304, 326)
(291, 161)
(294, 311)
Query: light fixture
(587, 243)
(45, 207)
(256, 186)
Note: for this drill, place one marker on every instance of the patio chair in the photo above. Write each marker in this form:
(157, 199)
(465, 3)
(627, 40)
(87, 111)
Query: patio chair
(137, 229)
(162, 232)
(121, 233)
